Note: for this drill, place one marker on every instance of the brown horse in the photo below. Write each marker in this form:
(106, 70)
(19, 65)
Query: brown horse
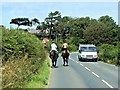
(65, 55)
(53, 56)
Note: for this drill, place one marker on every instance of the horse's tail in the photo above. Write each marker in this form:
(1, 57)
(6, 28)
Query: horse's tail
(65, 53)
(68, 53)
(51, 54)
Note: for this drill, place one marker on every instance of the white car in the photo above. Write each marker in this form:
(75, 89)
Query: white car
(87, 52)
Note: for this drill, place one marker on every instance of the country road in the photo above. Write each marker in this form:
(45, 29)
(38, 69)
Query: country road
(83, 74)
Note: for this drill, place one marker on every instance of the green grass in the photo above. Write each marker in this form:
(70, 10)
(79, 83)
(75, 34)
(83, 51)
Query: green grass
(40, 79)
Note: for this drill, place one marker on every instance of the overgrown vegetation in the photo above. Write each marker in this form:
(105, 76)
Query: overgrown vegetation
(40, 79)
(108, 53)
(22, 55)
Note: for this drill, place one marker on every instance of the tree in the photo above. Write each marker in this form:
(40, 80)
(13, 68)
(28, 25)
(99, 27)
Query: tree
(24, 22)
(35, 21)
(98, 33)
(108, 21)
(42, 26)
(21, 21)
(111, 24)
(66, 19)
(52, 19)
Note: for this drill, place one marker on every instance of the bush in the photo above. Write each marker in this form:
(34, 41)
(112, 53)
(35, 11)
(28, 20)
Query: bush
(22, 55)
(72, 47)
(108, 53)
(118, 63)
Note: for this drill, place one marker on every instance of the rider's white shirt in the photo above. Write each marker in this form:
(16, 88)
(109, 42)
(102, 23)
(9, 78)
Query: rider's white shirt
(53, 47)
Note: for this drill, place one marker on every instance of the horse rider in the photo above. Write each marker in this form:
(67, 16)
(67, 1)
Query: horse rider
(65, 53)
(44, 41)
(54, 48)
(65, 46)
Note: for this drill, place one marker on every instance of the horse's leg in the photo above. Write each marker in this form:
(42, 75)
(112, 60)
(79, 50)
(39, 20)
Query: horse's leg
(67, 61)
(55, 63)
(63, 61)
(52, 62)
(55, 59)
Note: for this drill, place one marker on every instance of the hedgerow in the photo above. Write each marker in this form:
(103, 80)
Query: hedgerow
(22, 55)
(108, 53)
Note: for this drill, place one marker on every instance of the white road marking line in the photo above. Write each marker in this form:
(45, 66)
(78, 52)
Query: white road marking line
(107, 84)
(87, 68)
(72, 59)
(76, 62)
(81, 64)
(95, 74)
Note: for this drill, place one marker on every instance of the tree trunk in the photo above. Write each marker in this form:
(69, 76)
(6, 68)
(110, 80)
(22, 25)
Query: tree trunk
(18, 27)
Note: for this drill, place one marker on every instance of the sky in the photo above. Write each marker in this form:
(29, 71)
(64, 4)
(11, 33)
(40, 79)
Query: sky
(40, 9)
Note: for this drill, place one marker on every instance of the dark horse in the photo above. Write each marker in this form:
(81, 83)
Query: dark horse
(53, 56)
(65, 55)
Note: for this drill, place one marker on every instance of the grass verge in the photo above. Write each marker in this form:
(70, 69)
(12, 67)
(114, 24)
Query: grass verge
(40, 79)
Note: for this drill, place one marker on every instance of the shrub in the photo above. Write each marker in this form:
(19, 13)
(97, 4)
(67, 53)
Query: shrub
(72, 47)
(108, 53)
(22, 55)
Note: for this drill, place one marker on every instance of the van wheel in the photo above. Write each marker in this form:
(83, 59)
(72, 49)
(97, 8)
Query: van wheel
(79, 59)
(96, 60)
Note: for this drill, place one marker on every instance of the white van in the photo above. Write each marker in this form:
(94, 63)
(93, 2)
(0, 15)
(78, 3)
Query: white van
(87, 52)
